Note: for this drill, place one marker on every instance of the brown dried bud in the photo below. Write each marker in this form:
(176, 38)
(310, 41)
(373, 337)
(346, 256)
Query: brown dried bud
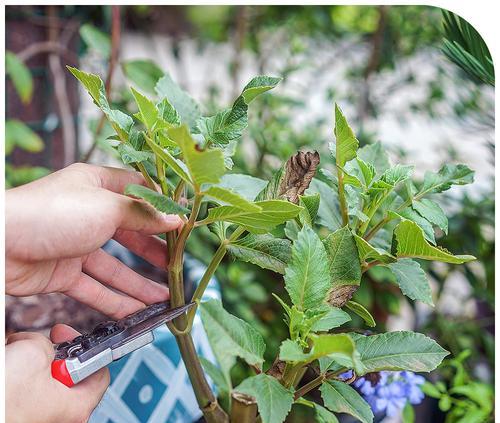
(299, 171)
(340, 295)
(373, 378)
(277, 369)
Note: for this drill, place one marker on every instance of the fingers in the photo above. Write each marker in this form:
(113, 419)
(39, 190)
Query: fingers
(110, 178)
(38, 347)
(62, 333)
(89, 391)
(150, 248)
(88, 291)
(111, 271)
(135, 215)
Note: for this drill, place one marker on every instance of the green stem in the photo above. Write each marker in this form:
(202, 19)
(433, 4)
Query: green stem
(309, 386)
(209, 272)
(372, 212)
(149, 181)
(387, 219)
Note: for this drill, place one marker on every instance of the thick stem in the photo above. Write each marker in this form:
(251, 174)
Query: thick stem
(342, 200)
(309, 386)
(243, 408)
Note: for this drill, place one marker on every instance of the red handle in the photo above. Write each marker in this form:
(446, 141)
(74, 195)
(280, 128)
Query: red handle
(60, 372)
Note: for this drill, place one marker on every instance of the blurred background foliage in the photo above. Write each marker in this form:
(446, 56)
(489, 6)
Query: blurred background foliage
(380, 51)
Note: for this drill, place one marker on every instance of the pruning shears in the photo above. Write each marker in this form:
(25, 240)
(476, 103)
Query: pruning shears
(109, 341)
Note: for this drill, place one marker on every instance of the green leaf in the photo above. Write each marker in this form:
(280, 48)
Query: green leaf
(274, 401)
(343, 258)
(324, 416)
(329, 209)
(176, 165)
(144, 73)
(361, 312)
(346, 142)
(20, 75)
(245, 185)
(20, 175)
(228, 197)
(410, 242)
(307, 278)
(368, 252)
(168, 113)
(265, 251)
(272, 213)
(188, 109)
(216, 375)
(410, 214)
(412, 280)
(338, 347)
(480, 393)
(334, 318)
(396, 174)
(408, 414)
(311, 206)
(121, 122)
(400, 350)
(432, 212)
(129, 154)
(159, 201)
(205, 166)
(447, 176)
(375, 155)
(229, 124)
(231, 337)
(18, 134)
(339, 397)
(96, 39)
(430, 390)
(147, 109)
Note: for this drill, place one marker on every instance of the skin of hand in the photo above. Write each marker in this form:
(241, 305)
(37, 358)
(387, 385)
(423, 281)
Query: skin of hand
(33, 395)
(55, 228)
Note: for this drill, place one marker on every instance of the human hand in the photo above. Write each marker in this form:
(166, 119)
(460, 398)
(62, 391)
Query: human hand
(56, 226)
(33, 395)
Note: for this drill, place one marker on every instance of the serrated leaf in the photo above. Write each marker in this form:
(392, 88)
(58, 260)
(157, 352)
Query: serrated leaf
(410, 214)
(205, 166)
(338, 347)
(324, 416)
(376, 156)
(361, 312)
(346, 142)
(339, 397)
(310, 203)
(410, 242)
(231, 337)
(334, 318)
(396, 174)
(245, 185)
(329, 209)
(167, 112)
(144, 73)
(343, 258)
(431, 211)
(227, 197)
(307, 278)
(18, 134)
(447, 176)
(228, 125)
(412, 280)
(264, 251)
(188, 109)
(272, 213)
(129, 154)
(402, 350)
(20, 75)
(159, 201)
(274, 401)
(147, 109)
(96, 39)
(368, 252)
(121, 122)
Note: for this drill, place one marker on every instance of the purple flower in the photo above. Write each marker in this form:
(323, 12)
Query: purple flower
(388, 392)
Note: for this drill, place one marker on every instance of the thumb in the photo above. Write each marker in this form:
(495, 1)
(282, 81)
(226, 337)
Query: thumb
(136, 215)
